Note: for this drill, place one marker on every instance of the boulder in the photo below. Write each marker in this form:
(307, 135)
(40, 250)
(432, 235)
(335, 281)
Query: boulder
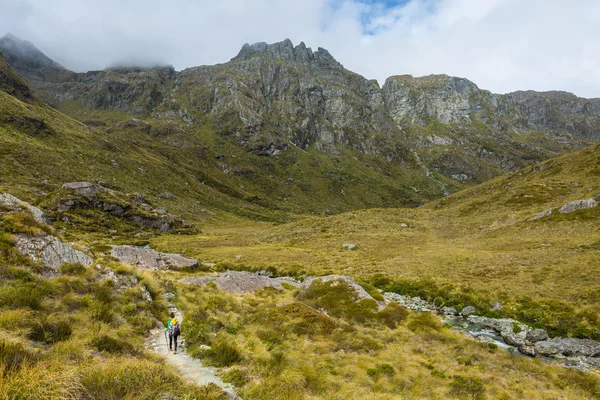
(50, 251)
(568, 347)
(15, 204)
(496, 306)
(528, 350)
(85, 189)
(348, 246)
(468, 310)
(536, 335)
(514, 339)
(147, 258)
(499, 325)
(237, 282)
(577, 205)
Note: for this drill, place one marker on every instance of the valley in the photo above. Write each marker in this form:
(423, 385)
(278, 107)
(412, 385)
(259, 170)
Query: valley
(284, 164)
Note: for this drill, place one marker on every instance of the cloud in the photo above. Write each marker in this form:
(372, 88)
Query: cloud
(502, 45)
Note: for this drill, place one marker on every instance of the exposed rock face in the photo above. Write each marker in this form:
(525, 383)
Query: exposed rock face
(50, 251)
(568, 347)
(12, 83)
(15, 204)
(577, 205)
(85, 189)
(272, 97)
(147, 258)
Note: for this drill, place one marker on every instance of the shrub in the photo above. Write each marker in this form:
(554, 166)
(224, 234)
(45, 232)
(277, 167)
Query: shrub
(467, 387)
(392, 315)
(381, 369)
(424, 321)
(27, 294)
(49, 331)
(236, 376)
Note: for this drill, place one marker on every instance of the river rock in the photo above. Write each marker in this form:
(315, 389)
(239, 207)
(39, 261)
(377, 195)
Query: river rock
(499, 325)
(147, 258)
(468, 310)
(528, 350)
(568, 347)
(577, 205)
(50, 251)
(15, 204)
(514, 339)
(536, 335)
(85, 189)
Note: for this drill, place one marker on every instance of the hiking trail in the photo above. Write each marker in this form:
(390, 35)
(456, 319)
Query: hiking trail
(191, 369)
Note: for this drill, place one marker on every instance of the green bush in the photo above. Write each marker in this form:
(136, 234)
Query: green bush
(392, 315)
(236, 376)
(24, 294)
(424, 322)
(467, 387)
(381, 369)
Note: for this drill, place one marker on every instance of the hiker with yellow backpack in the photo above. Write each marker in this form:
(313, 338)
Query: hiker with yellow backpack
(174, 330)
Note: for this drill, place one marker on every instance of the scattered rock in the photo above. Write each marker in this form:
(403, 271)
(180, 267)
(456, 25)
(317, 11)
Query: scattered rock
(160, 210)
(50, 251)
(568, 347)
(403, 225)
(450, 311)
(514, 339)
(15, 204)
(85, 189)
(468, 310)
(485, 339)
(536, 335)
(496, 306)
(541, 215)
(169, 295)
(147, 258)
(577, 205)
(348, 246)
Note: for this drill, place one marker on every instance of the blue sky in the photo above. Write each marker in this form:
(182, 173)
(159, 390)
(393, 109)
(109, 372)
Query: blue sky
(501, 45)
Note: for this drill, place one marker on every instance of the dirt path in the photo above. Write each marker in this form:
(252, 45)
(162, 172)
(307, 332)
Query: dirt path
(190, 368)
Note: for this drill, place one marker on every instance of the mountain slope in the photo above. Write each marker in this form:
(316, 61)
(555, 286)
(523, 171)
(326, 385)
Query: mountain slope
(271, 98)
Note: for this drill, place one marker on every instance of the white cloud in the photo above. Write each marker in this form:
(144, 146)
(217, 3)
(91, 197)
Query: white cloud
(502, 45)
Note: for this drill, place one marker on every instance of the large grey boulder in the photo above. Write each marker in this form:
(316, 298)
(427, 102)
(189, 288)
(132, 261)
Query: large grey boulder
(514, 339)
(577, 205)
(15, 204)
(85, 189)
(568, 347)
(536, 335)
(499, 325)
(147, 258)
(50, 251)
(237, 282)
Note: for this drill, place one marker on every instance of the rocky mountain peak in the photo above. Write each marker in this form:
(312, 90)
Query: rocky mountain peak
(285, 50)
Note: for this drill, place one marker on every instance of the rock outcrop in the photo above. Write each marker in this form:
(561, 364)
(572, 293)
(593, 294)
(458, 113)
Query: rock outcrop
(50, 251)
(237, 282)
(147, 258)
(577, 205)
(568, 347)
(15, 204)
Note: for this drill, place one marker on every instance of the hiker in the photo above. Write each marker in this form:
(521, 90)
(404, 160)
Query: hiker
(174, 330)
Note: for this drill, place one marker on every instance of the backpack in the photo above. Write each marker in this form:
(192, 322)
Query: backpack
(174, 328)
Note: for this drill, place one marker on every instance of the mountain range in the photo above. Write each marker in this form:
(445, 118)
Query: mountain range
(289, 108)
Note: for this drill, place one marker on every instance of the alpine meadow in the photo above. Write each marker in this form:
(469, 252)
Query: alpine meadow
(280, 227)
